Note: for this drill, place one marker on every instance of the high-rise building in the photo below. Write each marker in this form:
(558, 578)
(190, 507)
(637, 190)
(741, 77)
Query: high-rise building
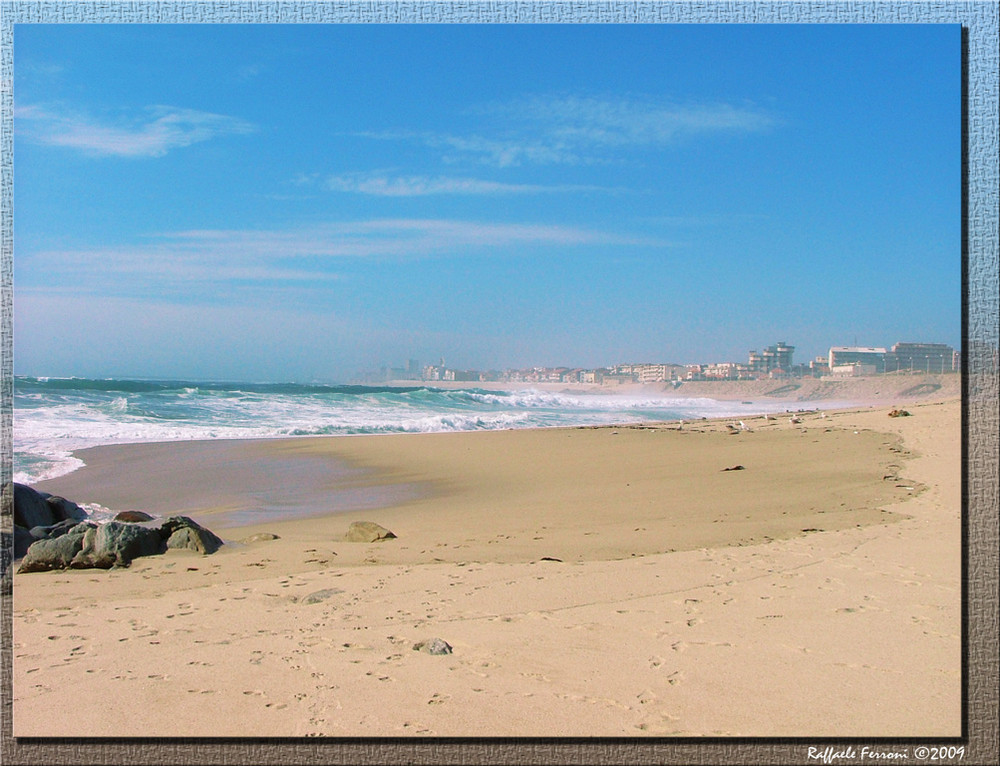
(776, 357)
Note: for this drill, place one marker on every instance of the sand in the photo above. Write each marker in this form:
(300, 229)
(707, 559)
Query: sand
(590, 581)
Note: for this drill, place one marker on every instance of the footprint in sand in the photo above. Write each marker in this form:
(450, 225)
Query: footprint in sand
(438, 699)
(537, 676)
(646, 696)
(675, 678)
(658, 722)
(662, 728)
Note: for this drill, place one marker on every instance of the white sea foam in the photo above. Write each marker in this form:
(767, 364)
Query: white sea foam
(56, 417)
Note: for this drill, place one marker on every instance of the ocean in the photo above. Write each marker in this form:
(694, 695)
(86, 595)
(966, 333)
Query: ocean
(54, 417)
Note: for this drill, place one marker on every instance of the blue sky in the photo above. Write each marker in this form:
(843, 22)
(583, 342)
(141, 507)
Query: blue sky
(298, 202)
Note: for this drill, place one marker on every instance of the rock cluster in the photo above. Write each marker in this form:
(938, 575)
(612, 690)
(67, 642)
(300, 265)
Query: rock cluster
(39, 515)
(59, 537)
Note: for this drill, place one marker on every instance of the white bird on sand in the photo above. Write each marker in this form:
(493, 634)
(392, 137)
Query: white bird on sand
(743, 426)
(794, 420)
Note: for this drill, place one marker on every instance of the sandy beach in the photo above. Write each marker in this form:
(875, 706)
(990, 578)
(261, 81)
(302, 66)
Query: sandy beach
(612, 581)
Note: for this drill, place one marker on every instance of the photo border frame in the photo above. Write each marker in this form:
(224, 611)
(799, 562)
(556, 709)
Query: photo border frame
(980, 417)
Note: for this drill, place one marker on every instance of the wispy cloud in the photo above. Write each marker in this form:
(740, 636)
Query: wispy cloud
(397, 237)
(502, 151)
(158, 130)
(385, 185)
(185, 262)
(578, 130)
(639, 121)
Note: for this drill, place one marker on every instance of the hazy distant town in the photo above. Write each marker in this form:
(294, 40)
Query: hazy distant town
(773, 362)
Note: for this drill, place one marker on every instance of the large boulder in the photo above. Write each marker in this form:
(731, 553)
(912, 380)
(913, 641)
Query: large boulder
(367, 532)
(22, 540)
(116, 544)
(30, 508)
(63, 509)
(195, 538)
(57, 529)
(184, 532)
(56, 553)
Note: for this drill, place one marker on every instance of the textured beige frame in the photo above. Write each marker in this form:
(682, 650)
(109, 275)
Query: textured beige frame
(979, 19)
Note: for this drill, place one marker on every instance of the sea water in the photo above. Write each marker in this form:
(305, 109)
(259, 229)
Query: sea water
(55, 417)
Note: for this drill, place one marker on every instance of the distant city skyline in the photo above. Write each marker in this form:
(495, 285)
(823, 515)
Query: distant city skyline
(939, 357)
(302, 202)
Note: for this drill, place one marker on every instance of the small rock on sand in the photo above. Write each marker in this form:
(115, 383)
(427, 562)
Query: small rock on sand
(433, 646)
(367, 532)
(260, 537)
(321, 595)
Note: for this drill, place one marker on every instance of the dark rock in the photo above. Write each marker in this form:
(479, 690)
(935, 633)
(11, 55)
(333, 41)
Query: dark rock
(734, 468)
(433, 646)
(367, 532)
(195, 538)
(116, 544)
(132, 517)
(47, 533)
(56, 553)
(22, 539)
(86, 545)
(63, 509)
(171, 524)
(30, 508)
(39, 533)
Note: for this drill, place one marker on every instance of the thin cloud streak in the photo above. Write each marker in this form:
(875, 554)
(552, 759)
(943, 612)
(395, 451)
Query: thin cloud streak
(421, 186)
(392, 237)
(629, 122)
(159, 130)
(235, 260)
(575, 130)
